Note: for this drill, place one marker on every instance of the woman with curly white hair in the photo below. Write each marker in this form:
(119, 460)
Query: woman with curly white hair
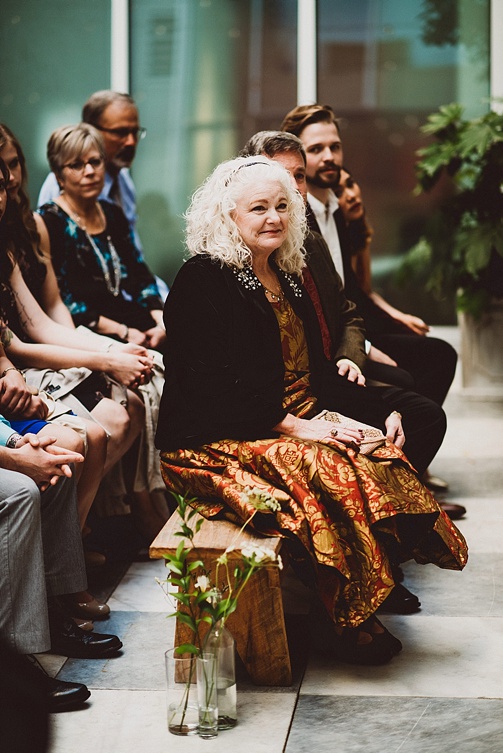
(246, 378)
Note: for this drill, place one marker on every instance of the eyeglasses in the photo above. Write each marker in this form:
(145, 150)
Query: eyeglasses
(123, 133)
(80, 165)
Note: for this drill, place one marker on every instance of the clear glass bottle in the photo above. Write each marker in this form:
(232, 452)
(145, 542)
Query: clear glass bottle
(220, 642)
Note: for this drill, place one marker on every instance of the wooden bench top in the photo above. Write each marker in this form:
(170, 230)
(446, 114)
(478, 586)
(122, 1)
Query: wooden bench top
(214, 536)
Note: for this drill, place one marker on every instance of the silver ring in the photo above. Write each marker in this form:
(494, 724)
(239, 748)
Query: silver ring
(333, 433)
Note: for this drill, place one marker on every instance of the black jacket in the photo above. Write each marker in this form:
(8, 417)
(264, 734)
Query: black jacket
(224, 367)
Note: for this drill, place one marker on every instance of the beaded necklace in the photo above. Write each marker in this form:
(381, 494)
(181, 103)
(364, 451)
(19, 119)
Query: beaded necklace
(112, 285)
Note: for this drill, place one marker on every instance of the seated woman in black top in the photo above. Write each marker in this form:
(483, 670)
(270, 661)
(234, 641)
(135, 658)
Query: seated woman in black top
(102, 277)
(246, 377)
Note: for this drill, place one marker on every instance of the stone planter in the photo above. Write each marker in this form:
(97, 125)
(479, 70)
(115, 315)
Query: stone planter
(482, 353)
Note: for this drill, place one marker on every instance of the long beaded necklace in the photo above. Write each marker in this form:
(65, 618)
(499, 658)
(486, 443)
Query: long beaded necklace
(112, 285)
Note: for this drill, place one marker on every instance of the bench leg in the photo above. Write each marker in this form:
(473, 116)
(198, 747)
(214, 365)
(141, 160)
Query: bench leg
(258, 627)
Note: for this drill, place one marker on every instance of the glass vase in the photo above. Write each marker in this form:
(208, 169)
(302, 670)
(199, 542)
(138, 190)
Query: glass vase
(181, 678)
(220, 642)
(207, 695)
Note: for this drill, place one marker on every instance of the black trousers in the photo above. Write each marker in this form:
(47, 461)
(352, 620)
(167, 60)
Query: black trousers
(430, 362)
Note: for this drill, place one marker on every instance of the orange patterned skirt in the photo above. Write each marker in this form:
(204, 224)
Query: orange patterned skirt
(340, 510)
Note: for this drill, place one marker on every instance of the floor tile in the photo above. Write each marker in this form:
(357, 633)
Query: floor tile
(471, 477)
(140, 664)
(135, 721)
(327, 724)
(474, 592)
(139, 590)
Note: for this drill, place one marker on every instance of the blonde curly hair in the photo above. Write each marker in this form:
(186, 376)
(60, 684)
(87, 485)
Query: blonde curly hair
(212, 230)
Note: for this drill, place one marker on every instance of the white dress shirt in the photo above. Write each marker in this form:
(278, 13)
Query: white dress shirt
(324, 214)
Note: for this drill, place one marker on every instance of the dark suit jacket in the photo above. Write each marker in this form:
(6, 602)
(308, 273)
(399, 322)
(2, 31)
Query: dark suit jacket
(345, 326)
(224, 370)
(375, 320)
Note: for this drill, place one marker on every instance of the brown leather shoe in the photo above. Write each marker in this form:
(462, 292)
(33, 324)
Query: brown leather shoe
(435, 483)
(455, 512)
(85, 606)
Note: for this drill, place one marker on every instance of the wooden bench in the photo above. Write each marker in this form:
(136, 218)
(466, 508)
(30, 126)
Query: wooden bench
(258, 624)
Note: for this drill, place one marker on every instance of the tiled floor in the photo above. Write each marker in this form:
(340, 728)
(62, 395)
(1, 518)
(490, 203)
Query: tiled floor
(444, 692)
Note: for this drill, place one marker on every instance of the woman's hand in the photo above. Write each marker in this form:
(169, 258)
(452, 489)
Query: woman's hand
(17, 399)
(394, 429)
(156, 336)
(137, 337)
(318, 430)
(414, 323)
(136, 350)
(379, 357)
(129, 369)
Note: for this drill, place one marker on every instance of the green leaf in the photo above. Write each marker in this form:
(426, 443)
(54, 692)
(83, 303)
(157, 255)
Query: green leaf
(174, 567)
(194, 565)
(476, 243)
(199, 523)
(448, 115)
(186, 619)
(478, 137)
(182, 598)
(187, 648)
(180, 551)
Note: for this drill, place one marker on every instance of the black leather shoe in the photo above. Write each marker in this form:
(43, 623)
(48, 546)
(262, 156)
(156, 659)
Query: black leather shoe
(400, 601)
(67, 639)
(60, 695)
(455, 512)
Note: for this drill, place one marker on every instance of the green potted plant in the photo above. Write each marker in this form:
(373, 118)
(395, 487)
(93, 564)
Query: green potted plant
(461, 251)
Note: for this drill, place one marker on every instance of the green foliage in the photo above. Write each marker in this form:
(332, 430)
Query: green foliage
(463, 237)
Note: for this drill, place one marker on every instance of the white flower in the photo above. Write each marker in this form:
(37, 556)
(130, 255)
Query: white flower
(259, 499)
(203, 583)
(258, 553)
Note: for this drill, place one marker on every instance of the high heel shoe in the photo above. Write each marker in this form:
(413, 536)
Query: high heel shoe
(347, 648)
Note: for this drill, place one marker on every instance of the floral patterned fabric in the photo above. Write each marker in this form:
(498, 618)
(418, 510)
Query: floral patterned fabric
(339, 505)
(341, 511)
